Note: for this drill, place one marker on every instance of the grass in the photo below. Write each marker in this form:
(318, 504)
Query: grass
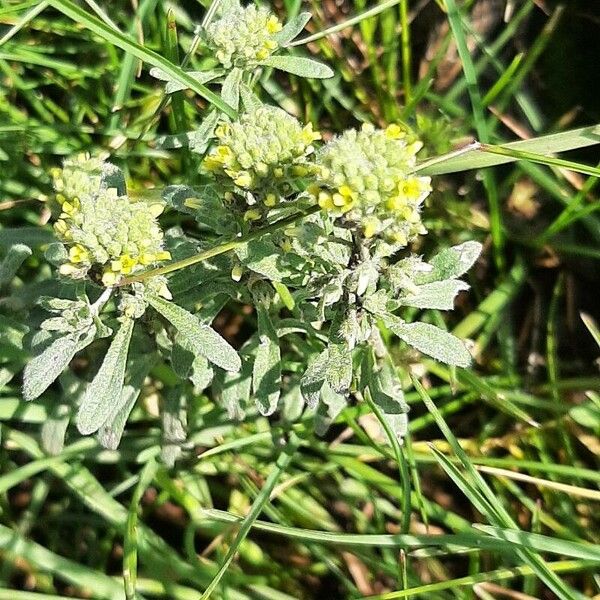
(495, 491)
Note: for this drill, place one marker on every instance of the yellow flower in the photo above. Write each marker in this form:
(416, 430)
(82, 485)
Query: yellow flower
(79, 254)
(273, 24)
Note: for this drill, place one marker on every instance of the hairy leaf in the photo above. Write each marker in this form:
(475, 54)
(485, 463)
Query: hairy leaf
(451, 263)
(10, 264)
(44, 368)
(266, 374)
(230, 92)
(292, 29)
(439, 295)
(201, 338)
(299, 65)
(431, 340)
(104, 391)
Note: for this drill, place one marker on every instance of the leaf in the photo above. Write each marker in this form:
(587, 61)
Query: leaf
(249, 99)
(387, 394)
(230, 92)
(10, 264)
(43, 369)
(334, 367)
(201, 338)
(174, 85)
(339, 368)
(438, 295)
(473, 157)
(292, 29)
(266, 373)
(314, 378)
(451, 263)
(299, 65)
(431, 340)
(332, 404)
(54, 428)
(188, 366)
(105, 390)
(233, 389)
(138, 368)
(197, 140)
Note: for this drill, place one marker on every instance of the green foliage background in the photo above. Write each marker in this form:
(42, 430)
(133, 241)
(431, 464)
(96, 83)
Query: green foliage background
(510, 446)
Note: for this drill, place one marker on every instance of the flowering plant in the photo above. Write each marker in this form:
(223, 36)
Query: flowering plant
(314, 235)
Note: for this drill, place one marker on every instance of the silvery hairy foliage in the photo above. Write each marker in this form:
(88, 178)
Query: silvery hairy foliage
(314, 235)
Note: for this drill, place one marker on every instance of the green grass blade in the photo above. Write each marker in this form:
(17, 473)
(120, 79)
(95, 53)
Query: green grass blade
(282, 463)
(473, 157)
(145, 54)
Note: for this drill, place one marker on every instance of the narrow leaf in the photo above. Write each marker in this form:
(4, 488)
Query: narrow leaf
(438, 295)
(473, 157)
(10, 264)
(106, 388)
(230, 92)
(201, 338)
(431, 340)
(299, 65)
(43, 369)
(266, 374)
(174, 85)
(292, 29)
(451, 263)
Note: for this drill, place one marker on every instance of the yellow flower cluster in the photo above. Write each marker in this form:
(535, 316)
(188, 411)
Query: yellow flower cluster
(105, 233)
(243, 37)
(367, 176)
(263, 153)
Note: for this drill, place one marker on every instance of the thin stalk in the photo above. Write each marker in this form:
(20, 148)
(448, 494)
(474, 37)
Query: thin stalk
(24, 20)
(367, 14)
(217, 250)
(541, 159)
(406, 54)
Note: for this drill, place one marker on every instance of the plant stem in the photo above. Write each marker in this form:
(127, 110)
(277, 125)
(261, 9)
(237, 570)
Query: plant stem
(220, 249)
(367, 14)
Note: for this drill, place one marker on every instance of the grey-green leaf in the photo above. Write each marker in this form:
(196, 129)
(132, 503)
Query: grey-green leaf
(249, 99)
(197, 141)
(330, 407)
(266, 374)
(451, 263)
(230, 92)
(292, 29)
(10, 264)
(173, 85)
(314, 378)
(105, 390)
(43, 369)
(431, 340)
(386, 392)
(299, 65)
(201, 338)
(438, 295)
(138, 368)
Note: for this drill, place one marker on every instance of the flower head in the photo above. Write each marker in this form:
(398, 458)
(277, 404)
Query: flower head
(79, 176)
(243, 37)
(108, 232)
(263, 152)
(367, 176)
